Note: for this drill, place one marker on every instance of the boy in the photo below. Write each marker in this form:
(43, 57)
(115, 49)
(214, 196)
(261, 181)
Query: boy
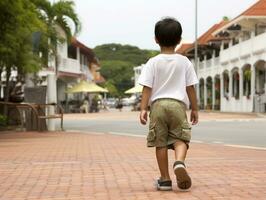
(168, 80)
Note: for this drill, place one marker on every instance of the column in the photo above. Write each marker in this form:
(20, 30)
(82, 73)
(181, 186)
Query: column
(205, 61)
(79, 59)
(253, 86)
(241, 88)
(231, 43)
(51, 98)
(253, 34)
(222, 46)
(213, 57)
(222, 85)
(221, 90)
(253, 79)
(265, 77)
(198, 93)
(213, 93)
(205, 93)
(230, 84)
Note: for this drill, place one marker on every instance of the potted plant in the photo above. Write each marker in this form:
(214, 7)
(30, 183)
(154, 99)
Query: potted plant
(3, 122)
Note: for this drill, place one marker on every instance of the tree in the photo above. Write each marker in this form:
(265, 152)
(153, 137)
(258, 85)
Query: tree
(119, 73)
(117, 62)
(126, 53)
(18, 20)
(57, 15)
(111, 88)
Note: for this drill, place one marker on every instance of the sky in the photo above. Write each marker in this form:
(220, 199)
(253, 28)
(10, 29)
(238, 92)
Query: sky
(132, 21)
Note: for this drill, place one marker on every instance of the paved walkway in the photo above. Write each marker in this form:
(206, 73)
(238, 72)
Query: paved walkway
(107, 167)
(128, 115)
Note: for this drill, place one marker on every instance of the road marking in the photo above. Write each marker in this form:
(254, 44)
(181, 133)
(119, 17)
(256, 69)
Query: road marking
(87, 132)
(192, 141)
(245, 147)
(196, 141)
(234, 120)
(217, 142)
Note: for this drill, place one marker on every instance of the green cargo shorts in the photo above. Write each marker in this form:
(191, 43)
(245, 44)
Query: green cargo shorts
(168, 124)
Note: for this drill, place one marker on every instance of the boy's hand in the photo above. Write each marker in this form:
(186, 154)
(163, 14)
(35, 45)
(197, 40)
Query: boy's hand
(143, 117)
(194, 117)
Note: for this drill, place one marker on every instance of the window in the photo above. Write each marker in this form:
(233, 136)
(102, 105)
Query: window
(72, 52)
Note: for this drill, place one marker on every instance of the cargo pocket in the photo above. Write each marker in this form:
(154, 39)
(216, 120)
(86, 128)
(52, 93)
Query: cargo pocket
(186, 131)
(151, 135)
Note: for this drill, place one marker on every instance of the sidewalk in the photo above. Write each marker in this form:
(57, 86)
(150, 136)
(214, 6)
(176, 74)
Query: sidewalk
(129, 115)
(101, 167)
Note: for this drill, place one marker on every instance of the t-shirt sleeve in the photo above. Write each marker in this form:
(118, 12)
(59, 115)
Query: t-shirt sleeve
(191, 77)
(147, 75)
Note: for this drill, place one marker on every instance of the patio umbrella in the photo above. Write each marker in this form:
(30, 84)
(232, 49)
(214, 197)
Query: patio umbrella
(85, 86)
(134, 90)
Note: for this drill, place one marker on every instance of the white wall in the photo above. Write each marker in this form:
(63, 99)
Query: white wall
(246, 52)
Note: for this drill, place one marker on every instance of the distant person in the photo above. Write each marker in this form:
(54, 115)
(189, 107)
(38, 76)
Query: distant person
(104, 103)
(85, 106)
(119, 105)
(95, 104)
(168, 81)
(17, 92)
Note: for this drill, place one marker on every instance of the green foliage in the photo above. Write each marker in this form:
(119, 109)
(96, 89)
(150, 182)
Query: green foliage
(226, 18)
(3, 120)
(18, 20)
(57, 16)
(117, 62)
(111, 88)
(125, 53)
(118, 72)
(247, 74)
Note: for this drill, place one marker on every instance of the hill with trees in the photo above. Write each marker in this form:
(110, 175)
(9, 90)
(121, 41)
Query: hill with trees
(117, 62)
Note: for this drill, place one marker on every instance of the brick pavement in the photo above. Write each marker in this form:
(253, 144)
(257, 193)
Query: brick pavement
(56, 166)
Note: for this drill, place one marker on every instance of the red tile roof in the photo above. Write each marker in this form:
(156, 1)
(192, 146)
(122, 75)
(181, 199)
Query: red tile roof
(258, 9)
(207, 36)
(204, 39)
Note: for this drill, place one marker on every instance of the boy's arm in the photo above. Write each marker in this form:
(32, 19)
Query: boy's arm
(194, 117)
(146, 94)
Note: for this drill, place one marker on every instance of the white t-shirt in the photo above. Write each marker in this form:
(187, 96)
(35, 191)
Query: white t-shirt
(168, 75)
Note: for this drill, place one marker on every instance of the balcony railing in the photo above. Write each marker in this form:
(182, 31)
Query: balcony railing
(69, 65)
(208, 63)
(244, 49)
(201, 65)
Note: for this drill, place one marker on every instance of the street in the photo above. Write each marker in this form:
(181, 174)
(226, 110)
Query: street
(244, 131)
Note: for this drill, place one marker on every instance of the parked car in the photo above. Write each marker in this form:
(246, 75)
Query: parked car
(111, 102)
(129, 101)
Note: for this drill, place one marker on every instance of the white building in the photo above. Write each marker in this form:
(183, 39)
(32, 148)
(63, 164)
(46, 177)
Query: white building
(137, 72)
(75, 62)
(232, 63)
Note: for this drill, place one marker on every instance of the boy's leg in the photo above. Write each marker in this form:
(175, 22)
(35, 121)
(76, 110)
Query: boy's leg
(162, 160)
(180, 150)
(182, 176)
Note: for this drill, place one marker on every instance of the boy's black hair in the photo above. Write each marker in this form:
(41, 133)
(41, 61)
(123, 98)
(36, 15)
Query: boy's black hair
(168, 32)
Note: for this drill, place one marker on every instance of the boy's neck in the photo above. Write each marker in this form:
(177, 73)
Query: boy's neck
(168, 50)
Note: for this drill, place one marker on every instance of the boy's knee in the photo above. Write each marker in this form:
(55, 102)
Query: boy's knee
(179, 143)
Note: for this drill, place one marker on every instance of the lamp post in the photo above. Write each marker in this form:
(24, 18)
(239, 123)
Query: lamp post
(196, 35)
(196, 48)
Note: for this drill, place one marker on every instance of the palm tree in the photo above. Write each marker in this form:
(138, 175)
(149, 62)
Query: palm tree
(56, 15)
